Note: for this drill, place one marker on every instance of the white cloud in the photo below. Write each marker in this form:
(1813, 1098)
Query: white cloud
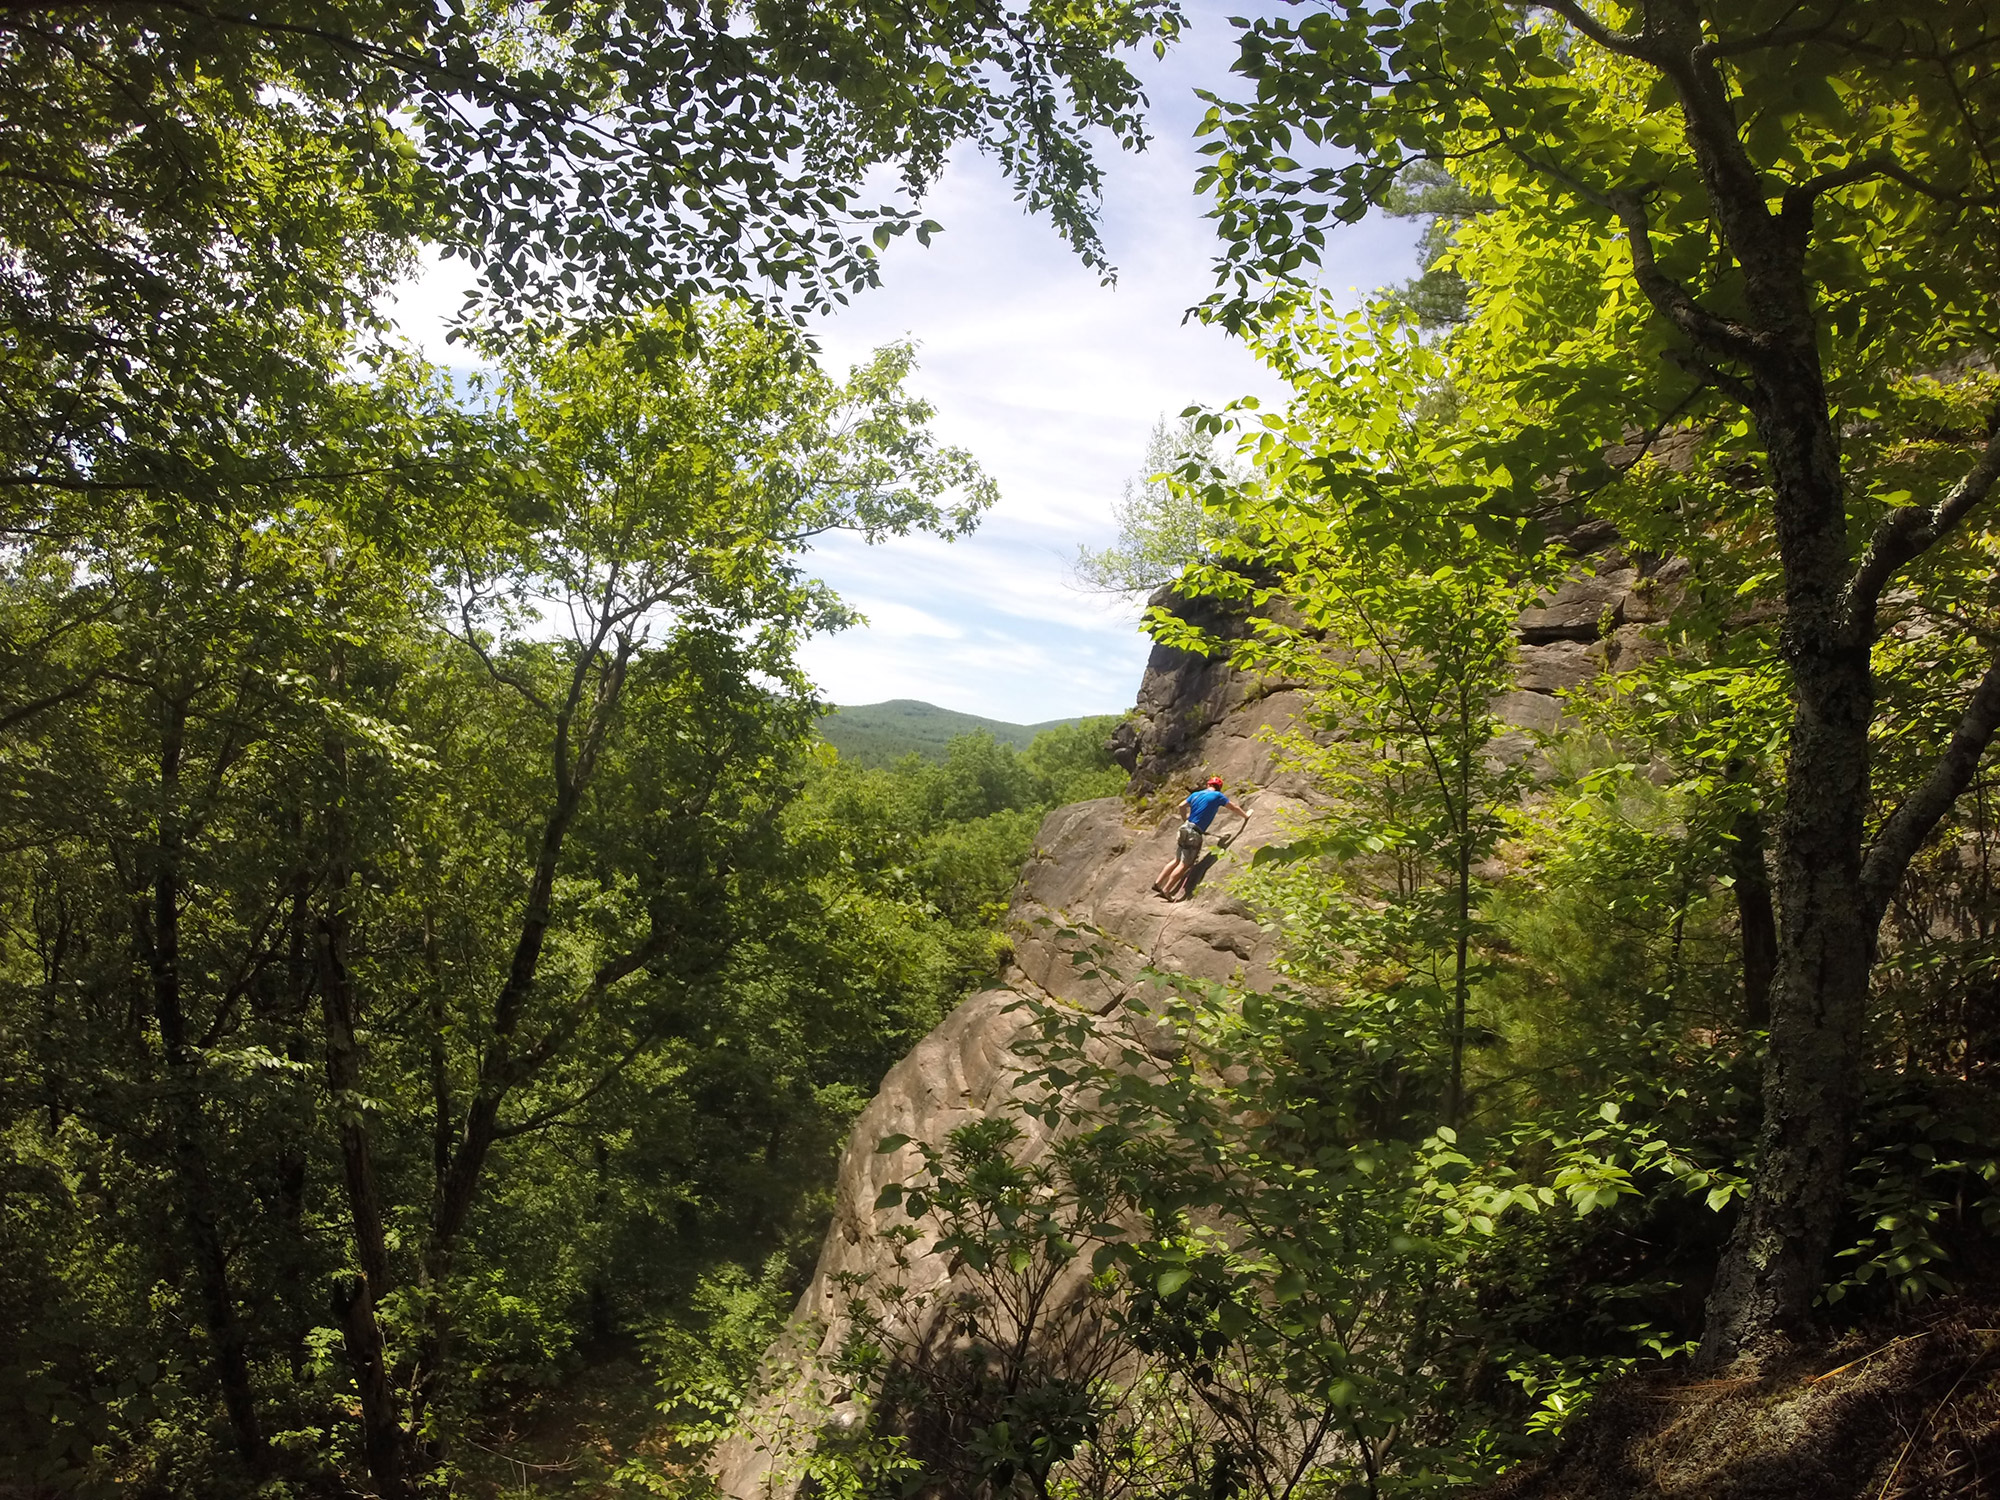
(1053, 381)
(904, 621)
(423, 306)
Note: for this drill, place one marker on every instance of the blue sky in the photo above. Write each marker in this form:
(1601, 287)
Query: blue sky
(1053, 381)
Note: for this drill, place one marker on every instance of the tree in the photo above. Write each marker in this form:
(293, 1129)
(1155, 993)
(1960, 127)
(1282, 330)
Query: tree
(201, 197)
(1396, 606)
(350, 908)
(158, 810)
(1437, 294)
(1785, 208)
(1163, 528)
(675, 473)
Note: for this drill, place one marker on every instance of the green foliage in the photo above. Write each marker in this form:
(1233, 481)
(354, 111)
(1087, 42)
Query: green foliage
(1163, 527)
(435, 946)
(197, 191)
(952, 834)
(1401, 589)
(1925, 1176)
(1296, 1286)
(1560, 112)
(1071, 762)
(1717, 244)
(1331, 1267)
(433, 951)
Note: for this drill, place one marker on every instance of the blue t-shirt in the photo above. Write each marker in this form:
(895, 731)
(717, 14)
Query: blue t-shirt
(1202, 806)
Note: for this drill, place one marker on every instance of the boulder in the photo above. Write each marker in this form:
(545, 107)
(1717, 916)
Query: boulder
(1557, 666)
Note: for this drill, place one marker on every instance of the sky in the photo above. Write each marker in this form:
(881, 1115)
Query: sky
(1053, 382)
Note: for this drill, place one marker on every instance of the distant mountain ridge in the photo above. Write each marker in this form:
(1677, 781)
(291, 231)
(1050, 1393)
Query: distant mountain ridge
(877, 733)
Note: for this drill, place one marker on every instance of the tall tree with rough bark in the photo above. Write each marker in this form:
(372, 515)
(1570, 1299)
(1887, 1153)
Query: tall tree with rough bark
(1790, 207)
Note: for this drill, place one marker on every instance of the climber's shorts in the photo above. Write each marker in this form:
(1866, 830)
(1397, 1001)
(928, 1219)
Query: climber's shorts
(1190, 842)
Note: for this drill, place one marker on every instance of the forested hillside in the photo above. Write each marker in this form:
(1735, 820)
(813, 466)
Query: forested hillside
(439, 960)
(878, 734)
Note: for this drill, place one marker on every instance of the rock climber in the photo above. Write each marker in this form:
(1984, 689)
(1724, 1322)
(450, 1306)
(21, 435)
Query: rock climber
(1201, 806)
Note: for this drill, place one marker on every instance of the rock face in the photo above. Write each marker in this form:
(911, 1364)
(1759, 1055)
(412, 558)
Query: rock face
(1092, 867)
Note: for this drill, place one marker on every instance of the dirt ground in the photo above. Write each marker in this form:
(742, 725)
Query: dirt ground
(1904, 1410)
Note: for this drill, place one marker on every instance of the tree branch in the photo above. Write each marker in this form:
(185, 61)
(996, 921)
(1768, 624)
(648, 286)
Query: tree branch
(1780, 35)
(469, 637)
(1650, 436)
(1910, 824)
(171, 484)
(582, 1097)
(1625, 44)
(1909, 531)
(20, 712)
(531, 1059)
(1800, 197)
(1706, 330)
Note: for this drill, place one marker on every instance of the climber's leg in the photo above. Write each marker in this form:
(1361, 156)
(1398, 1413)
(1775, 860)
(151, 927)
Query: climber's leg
(1187, 851)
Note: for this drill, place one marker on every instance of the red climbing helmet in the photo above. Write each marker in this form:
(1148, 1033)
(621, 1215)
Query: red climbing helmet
(1216, 782)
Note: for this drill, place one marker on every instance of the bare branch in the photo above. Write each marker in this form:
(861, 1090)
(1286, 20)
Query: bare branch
(1910, 824)
(1909, 531)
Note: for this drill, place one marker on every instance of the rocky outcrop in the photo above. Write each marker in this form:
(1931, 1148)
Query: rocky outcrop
(1596, 621)
(1091, 871)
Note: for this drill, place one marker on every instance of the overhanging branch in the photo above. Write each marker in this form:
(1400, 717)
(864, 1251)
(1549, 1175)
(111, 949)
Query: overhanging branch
(1909, 531)
(1625, 44)
(1708, 332)
(1913, 822)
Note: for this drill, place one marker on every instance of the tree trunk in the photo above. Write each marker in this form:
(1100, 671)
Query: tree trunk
(1812, 1077)
(301, 1317)
(382, 1440)
(161, 937)
(356, 1301)
(1462, 894)
(1765, 351)
(1460, 981)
